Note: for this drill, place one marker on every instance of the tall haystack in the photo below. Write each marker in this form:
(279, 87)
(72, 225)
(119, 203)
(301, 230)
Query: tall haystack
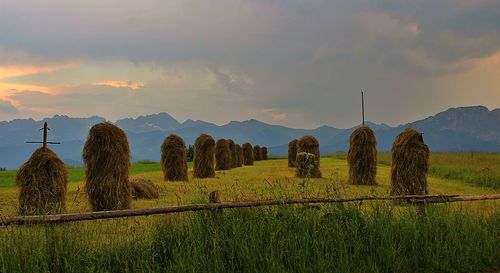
(306, 146)
(410, 161)
(257, 153)
(106, 156)
(173, 159)
(292, 153)
(234, 153)
(203, 161)
(247, 154)
(42, 181)
(239, 155)
(362, 157)
(223, 155)
(264, 153)
(144, 188)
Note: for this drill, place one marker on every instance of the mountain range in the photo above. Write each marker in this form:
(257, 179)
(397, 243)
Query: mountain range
(474, 128)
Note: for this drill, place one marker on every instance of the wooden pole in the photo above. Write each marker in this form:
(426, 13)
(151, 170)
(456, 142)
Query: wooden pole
(362, 108)
(215, 197)
(45, 129)
(86, 216)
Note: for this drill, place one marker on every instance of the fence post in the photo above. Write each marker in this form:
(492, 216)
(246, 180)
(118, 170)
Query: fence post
(215, 197)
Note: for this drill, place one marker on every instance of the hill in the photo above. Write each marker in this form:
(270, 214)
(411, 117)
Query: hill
(457, 129)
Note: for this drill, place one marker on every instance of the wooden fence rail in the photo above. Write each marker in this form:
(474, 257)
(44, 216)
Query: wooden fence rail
(73, 217)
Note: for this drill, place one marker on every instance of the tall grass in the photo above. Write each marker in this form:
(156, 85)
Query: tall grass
(332, 238)
(482, 169)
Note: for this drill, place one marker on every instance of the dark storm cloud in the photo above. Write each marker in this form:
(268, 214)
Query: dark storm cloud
(307, 60)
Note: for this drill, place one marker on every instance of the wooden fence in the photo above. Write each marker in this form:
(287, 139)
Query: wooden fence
(216, 204)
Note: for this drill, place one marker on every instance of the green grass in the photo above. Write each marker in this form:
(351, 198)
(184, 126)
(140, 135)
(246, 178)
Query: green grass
(266, 179)
(374, 237)
(302, 238)
(481, 169)
(76, 174)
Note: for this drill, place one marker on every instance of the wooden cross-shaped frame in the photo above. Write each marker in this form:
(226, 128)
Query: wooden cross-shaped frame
(45, 133)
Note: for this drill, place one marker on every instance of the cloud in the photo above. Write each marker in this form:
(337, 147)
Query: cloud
(121, 84)
(273, 114)
(308, 59)
(6, 107)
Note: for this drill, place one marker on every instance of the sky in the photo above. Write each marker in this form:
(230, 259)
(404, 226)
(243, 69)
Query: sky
(298, 63)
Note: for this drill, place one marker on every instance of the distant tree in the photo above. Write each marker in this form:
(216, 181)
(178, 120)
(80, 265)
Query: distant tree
(190, 153)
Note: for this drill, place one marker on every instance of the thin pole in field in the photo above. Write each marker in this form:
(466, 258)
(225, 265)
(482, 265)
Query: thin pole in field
(362, 107)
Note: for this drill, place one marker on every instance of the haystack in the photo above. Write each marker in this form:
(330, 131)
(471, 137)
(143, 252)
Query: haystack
(203, 162)
(247, 154)
(234, 153)
(264, 153)
(106, 156)
(410, 161)
(257, 153)
(239, 155)
(173, 159)
(362, 157)
(308, 145)
(292, 153)
(144, 188)
(223, 155)
(42, 181)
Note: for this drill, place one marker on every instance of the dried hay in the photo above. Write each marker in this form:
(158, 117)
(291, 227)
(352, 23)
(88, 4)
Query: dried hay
(247, 154)
(203, 162)
(362, 157)
(173, 159)
(106, 156)
(144, 188)
(410, 161)
(43, 183)
(308, 145)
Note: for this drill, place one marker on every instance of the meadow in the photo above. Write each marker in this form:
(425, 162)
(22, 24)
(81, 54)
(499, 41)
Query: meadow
(368, 237)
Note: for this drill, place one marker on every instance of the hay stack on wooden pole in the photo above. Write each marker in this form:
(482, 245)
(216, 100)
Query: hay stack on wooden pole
(173, 159)
(410, 161)
(307, 146)
(239, 155)
(223, 155)
(43, 182)
(247, 154)
(203, 162)
(257, 153)
(362, 157)
(106, 156)
(264, 153)
(234, 153)
(292, 153)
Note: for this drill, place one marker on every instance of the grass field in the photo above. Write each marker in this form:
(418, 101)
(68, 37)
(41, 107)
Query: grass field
(264, 180)
(482, 169)
(374, 237)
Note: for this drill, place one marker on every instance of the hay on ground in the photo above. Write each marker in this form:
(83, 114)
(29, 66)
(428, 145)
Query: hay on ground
(292, 153)
(239, 155)
(144, 188)
(203, 162)
(247, 154)
(410, 161)
(223, 155)
(257, 153)
(106, 156)
(234, 153)
(264, 153)
(362, 157)
(173, 159)
(42, 181)
(308, 145)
